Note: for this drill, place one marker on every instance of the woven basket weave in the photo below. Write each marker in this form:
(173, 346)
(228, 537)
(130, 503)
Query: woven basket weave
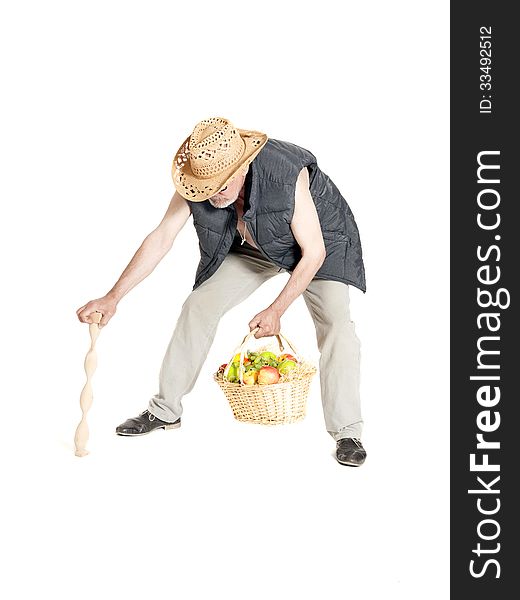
(273, 404)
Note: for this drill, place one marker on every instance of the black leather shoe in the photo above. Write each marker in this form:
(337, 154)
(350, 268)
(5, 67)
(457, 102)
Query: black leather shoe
(350, 451)
(145, 423)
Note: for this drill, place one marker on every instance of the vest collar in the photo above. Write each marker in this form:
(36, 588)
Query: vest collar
(250, 193)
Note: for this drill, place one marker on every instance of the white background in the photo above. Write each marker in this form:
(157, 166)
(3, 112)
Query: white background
(96, 99)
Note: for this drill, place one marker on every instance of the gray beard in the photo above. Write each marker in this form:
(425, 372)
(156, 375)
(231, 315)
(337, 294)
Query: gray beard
(222, 202)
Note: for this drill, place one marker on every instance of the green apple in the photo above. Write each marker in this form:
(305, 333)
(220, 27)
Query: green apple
(286, 366)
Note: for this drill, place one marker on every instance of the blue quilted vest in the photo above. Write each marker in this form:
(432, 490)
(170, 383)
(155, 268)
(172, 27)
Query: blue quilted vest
(268, 208)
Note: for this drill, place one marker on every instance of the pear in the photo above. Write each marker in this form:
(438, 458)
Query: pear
(232, 375)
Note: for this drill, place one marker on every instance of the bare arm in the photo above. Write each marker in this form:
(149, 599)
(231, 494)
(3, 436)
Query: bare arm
(306, 229)
(153, 249)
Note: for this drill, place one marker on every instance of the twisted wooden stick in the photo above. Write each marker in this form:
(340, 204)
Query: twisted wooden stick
(85, 401)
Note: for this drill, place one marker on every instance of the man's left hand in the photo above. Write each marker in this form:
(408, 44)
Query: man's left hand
(269, 322)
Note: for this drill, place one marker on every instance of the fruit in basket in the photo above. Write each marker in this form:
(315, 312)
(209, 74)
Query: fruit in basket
(236, 359)
(286, 366)
(221, 368)
(268, 375)
(251, 377)
(286, 356)
(232, 374)
(265, 359)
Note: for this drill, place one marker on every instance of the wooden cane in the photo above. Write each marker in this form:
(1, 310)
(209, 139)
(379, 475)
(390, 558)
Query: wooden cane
(85, 400)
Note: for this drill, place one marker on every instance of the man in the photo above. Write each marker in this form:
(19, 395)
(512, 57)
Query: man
(259, 206)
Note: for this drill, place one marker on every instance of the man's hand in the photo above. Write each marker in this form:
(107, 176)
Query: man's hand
(269, 322)
(106, 306)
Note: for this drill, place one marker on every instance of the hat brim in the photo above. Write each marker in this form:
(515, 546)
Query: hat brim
(196, 189)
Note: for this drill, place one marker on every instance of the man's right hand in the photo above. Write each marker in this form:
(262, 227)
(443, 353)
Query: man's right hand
(106, 306)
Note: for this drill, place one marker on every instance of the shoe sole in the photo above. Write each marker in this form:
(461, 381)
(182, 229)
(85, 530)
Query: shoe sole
(171, 426)
(349, 463)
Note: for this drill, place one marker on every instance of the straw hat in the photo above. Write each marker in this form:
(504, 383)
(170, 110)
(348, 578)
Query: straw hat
(211, 156)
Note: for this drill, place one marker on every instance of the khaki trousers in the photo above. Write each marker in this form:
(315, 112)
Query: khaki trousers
(238, 276)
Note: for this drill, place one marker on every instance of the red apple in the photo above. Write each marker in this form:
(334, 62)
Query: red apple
(283, 357)
(268, 375)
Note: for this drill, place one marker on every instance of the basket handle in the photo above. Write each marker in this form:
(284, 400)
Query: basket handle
(242, 349)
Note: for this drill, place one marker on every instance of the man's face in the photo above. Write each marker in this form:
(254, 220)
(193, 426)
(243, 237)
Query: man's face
(229, 193)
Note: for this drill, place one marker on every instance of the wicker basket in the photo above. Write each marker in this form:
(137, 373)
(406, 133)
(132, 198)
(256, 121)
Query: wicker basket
(273, 404)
